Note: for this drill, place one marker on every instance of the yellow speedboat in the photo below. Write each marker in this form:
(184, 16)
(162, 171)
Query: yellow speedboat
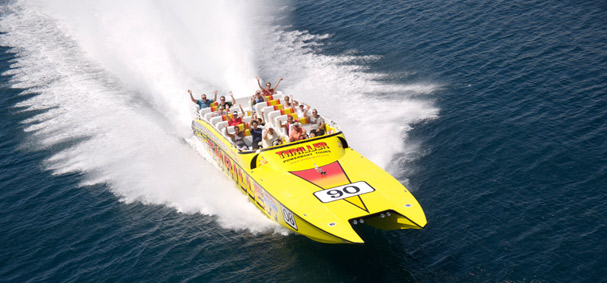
(318, 187)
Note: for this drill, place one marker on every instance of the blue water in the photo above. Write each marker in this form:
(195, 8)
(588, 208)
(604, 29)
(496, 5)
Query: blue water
(505, 148)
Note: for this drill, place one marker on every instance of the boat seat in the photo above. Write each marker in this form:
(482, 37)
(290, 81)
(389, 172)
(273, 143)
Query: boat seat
(247, 119)
(269, 109)
(213, 106)
(272, 117)
(204, 111)
(221, 125)
(215, 120)
(208, 116)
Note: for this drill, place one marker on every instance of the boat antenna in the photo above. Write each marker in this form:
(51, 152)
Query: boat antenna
(318, 169)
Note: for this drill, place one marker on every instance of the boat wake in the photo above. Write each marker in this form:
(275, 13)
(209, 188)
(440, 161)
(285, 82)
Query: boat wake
(107, 89)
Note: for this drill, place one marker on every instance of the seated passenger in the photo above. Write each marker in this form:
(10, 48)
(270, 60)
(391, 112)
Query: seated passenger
(287, 124)
(259, 120)
(318, 124)
(301, 112)
(235, 119)
(289, 102)
(269, 90)
(298, 133)
(238, 139)
(257, 98)
(203, 102)
(256, 133)
(220, 111)
(271, 138)
(227, 105)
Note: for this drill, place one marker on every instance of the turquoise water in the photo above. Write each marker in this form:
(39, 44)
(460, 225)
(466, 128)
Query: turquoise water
(493, 114)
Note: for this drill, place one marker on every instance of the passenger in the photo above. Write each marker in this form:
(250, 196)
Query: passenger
(298, 133)
(269, 90)
(235, 119)
(258, 119)
(256, 133)
(238, 139)
(289, 103)
(257, 98)
(301, 112)
(318, 124)
(220, 111)
(227, 105)
(287, 124)
(271, 138)
(203, 102)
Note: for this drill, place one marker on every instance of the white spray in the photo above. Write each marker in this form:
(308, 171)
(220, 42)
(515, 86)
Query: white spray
(112, 75)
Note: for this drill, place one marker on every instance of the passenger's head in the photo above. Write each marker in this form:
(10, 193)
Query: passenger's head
(235, 114)
(204, 97)
(236, 129)
(290, 119)
(268, 84)
(301, 107)
(271, 130)
(222, 98)
(220, 108)
(287, 98)
(314, 112)
(254, 124)
(296, 125)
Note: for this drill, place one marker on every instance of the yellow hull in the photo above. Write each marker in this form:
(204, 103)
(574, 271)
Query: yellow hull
(318, 187)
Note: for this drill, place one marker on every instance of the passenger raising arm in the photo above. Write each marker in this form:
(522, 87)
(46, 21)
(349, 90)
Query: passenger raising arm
(238, 139)
(235, 119)
(301, 111)
(269, 90)
(203, 102)
(227, 105)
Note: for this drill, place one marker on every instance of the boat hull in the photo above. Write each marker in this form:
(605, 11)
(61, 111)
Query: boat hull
(318, 187)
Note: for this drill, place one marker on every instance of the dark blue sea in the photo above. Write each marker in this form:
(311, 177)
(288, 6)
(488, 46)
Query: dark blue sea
(493, 113)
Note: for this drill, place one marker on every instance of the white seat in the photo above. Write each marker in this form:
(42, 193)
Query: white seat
(248, 140)
(258, 108)
(204, 111)
(221, 125)
(215, 120)
(278, 95)
(271, 117)
(247, 119)
(267, 110)
(230, 130)
(208, 116)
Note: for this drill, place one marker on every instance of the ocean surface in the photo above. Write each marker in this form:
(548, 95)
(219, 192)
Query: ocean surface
(493, 113)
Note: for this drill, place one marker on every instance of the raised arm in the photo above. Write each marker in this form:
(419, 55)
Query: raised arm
(233, 100)
(192, 97)
(307, 108)
(215, 98)
(276, 85)
(294, 102)
(241, 110)
(259, 84)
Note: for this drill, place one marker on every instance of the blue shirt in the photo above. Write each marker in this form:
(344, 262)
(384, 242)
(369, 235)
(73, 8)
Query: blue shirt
(203, 104)
(256, 133)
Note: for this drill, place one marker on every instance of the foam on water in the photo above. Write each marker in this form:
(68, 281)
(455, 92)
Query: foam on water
(112, 86)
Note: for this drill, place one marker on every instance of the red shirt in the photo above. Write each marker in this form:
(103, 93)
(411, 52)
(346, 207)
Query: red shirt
(267, 92)
(234, 122)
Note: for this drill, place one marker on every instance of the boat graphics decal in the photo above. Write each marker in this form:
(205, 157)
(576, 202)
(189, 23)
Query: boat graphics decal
(293, 155)
(331, 177)
(288, 217)
(248, 185)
